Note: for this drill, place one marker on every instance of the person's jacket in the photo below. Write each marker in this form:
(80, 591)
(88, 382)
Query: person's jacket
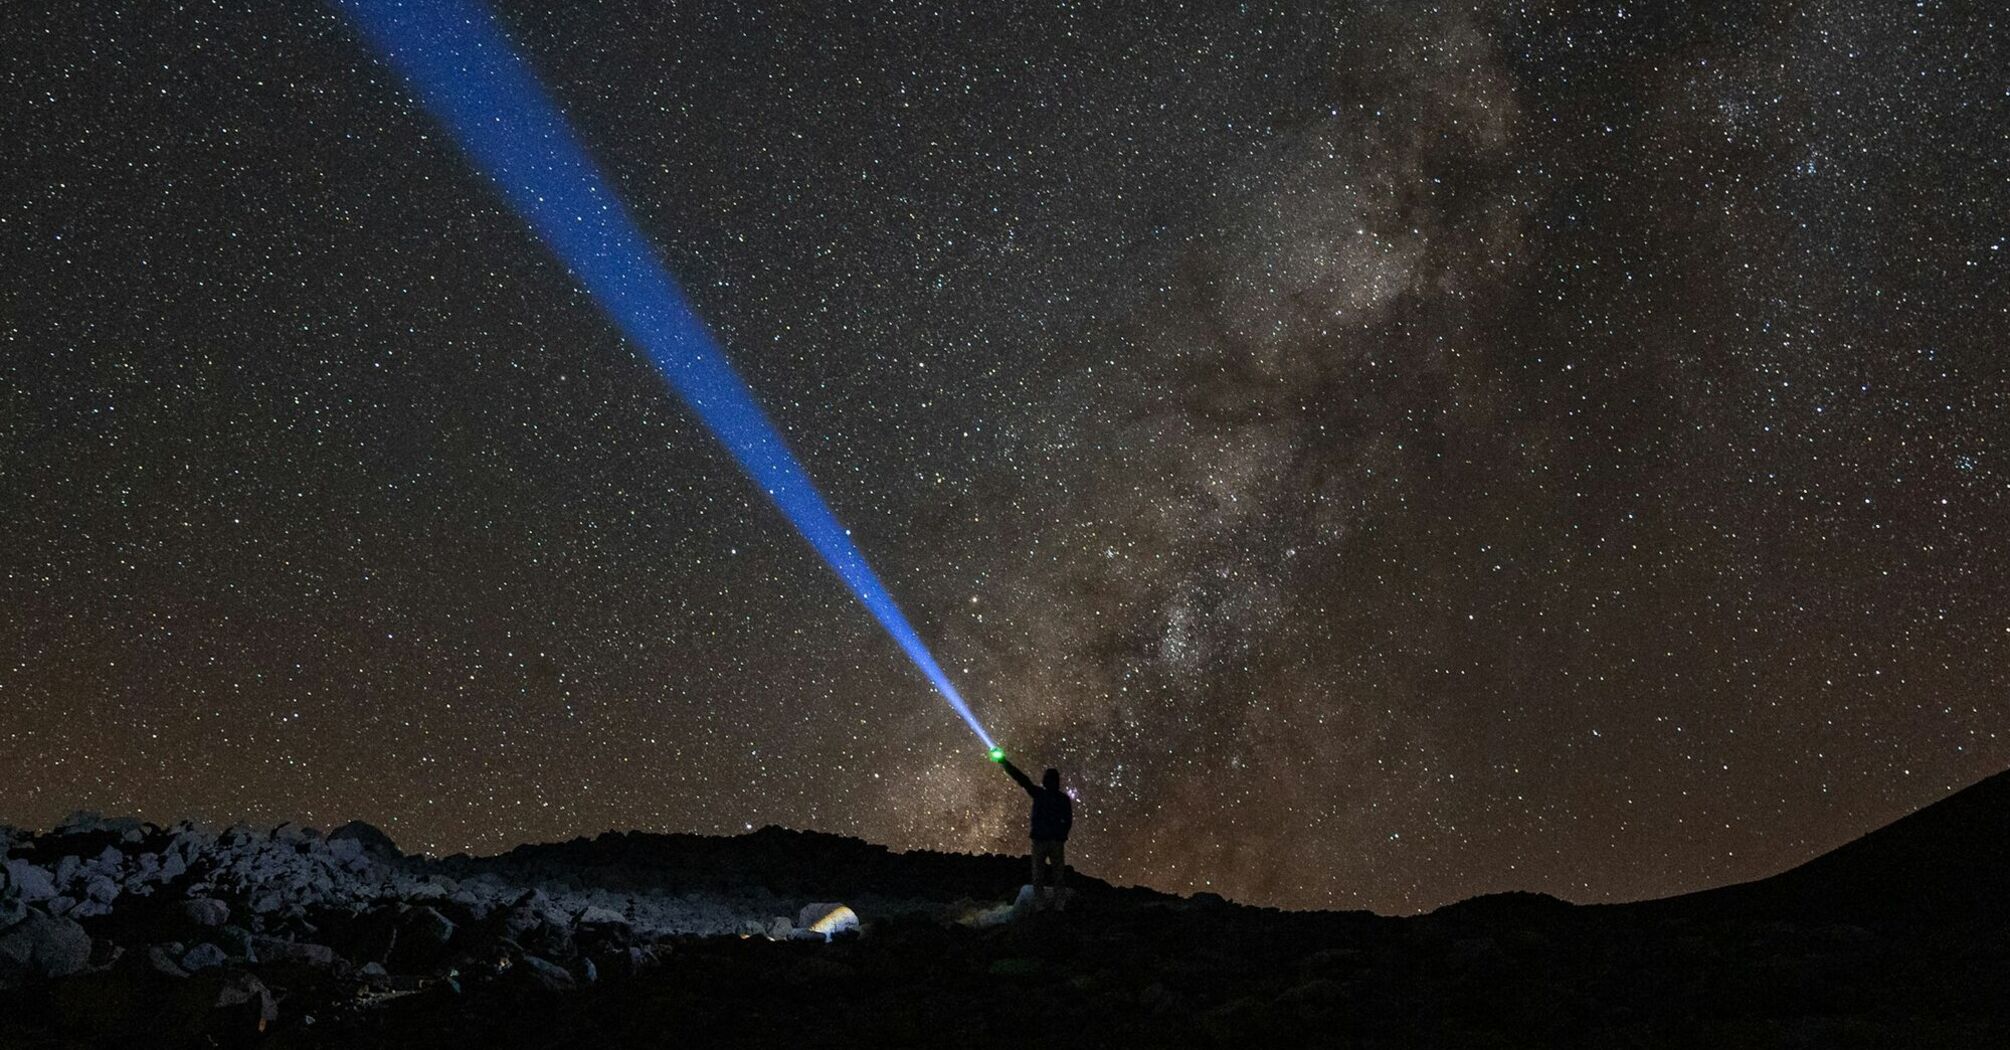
(1053, 810)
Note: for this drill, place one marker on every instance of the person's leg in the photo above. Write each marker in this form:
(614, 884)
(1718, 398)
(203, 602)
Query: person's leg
(1043, 870)
(1060, 866)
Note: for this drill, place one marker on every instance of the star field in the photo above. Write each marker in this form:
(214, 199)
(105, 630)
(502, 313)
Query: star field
(1381, 454)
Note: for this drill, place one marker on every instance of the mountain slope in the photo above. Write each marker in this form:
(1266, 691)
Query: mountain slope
(1949, 862)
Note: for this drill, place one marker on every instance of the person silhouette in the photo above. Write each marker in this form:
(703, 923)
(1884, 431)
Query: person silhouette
(1053, 817)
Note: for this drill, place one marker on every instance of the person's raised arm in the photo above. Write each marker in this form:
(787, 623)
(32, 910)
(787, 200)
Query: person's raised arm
(1024, 780)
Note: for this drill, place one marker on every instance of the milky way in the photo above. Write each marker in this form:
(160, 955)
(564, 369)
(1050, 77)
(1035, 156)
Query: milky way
(1380, 455)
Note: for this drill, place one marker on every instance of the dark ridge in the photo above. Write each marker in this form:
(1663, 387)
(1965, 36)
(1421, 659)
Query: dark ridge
(786, 862)
(1515, 906)
(1949, 862)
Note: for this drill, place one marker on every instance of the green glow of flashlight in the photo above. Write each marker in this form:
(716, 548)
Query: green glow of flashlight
(997, 754)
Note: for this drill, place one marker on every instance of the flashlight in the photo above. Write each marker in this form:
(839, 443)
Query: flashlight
(997, 754)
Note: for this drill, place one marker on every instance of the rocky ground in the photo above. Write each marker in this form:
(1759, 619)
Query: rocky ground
(114, 930)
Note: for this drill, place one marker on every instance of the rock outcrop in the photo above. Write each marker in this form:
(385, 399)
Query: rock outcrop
(40, 945)
(337, 922)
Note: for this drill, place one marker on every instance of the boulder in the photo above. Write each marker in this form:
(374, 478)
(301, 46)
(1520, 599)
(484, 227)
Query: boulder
(476, 906)
(543, 975)
(188, 843)
(595, 915)
(297, 835)
(827, 920)
(319, 956)
(532, 922)
(107, 862)
(205, 911)
(42, 945)
(235, 940)
(279, 950)
(32, 882)
(204, 956)
(599, 927)
(101, 888)
(523, 916)
(372, 840)
(427, 926)
(172, 867)
(422, 938)
(162, 961)
(86, 909)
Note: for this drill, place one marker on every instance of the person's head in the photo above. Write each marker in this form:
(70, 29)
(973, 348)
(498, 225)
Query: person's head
(1051, 780)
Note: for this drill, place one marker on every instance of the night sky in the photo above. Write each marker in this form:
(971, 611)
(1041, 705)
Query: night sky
(1381, 454)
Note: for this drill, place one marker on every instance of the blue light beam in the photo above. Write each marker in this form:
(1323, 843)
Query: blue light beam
(458, 62)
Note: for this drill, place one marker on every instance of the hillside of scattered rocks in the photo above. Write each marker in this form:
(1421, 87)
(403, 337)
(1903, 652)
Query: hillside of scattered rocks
(256, 930)
(112, 930)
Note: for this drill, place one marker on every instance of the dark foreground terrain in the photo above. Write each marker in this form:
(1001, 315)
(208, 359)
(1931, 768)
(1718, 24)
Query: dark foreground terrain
(1899, 939)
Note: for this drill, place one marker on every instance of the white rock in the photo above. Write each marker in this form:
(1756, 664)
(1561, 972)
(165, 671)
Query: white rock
(830, 919)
